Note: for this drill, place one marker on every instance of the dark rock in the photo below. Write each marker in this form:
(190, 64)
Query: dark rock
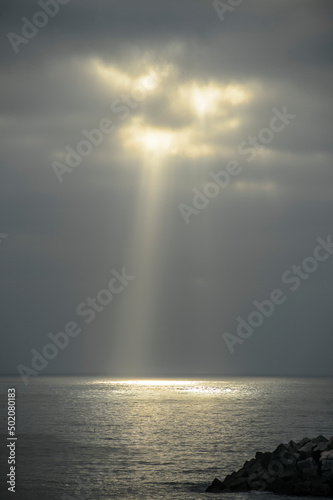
(256, 483)
(303, 468)
(256, 468)
(329, 444)
(320, 439)
(304, 455)
(326, 455)
(302, 442)
(286, 472)
(275, 467)
(248, 463)
(308, 447)
(292, 447)
(308, 468)
(302, 488)
(263, 458)
(319, 488)
(326, 464)
(321, 446)
(239, 485)
(229, 479)
(241, 473)
(284, 487)
(215, 487)
(282, 448)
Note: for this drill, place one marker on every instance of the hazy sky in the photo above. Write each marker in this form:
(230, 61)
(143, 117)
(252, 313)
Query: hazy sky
(181, 92)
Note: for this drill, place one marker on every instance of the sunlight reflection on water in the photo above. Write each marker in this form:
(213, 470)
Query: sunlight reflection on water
(200, 387)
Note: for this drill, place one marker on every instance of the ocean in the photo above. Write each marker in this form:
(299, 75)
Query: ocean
(102, 439)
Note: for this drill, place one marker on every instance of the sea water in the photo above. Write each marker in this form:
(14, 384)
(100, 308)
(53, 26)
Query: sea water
(101, 439)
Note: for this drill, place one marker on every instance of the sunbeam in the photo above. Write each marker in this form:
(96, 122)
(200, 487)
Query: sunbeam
(133, 345)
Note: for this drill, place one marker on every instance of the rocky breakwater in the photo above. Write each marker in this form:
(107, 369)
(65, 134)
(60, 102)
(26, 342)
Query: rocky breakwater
(303, 468)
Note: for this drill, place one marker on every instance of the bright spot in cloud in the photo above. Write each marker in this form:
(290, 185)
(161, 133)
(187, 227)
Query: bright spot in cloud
(213, 98)
(235, 94)
(139, 136)
(110, 74)
(115, 77)
(204, 99)
(149, 82)
(156, 141)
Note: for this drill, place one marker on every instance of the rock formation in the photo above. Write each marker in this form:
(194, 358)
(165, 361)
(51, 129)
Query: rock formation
(303, 468)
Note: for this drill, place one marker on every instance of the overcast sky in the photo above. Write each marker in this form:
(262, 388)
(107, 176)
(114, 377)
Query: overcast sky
(181, 92)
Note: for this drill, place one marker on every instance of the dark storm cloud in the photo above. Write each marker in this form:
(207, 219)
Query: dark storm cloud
(65, 238)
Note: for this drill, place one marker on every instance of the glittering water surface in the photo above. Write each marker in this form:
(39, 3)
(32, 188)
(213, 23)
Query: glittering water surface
(81, 438)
